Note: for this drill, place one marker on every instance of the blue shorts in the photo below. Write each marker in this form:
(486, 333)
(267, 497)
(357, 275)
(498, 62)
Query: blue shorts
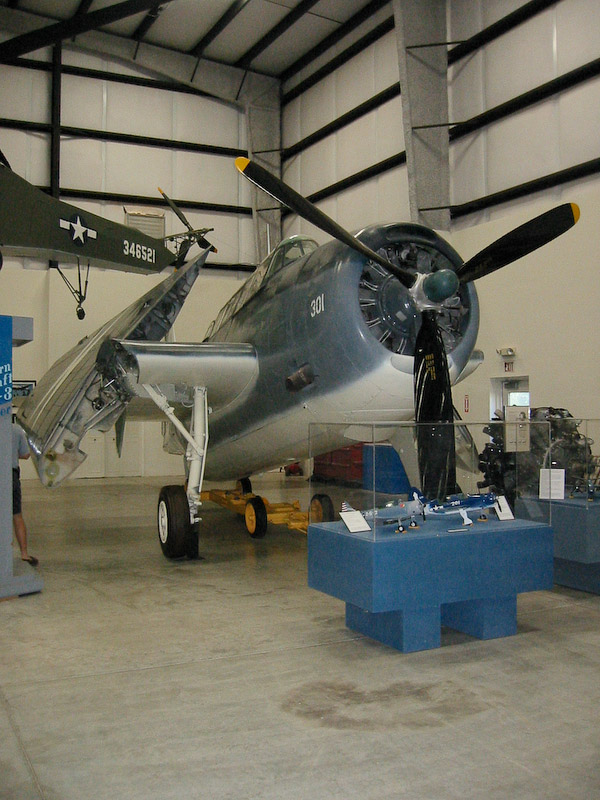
(16, 491)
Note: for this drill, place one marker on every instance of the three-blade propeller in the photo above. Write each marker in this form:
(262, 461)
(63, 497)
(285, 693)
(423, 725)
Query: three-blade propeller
(433, 391)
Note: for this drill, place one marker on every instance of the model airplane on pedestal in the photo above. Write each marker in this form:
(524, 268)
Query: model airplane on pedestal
(372, 327)
(400, 511)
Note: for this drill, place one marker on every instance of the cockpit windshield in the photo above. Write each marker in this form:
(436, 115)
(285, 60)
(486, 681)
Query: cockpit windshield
(287, 251)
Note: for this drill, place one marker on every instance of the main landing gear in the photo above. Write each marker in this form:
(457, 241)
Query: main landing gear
(177, 535)
(179, 538)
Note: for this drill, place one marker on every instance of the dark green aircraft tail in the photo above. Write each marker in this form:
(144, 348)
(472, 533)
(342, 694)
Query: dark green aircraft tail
(33, 224)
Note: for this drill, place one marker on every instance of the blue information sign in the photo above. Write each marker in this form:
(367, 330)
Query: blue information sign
(5, 365)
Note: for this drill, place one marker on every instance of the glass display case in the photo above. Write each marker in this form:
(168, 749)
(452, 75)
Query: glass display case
(382, 478)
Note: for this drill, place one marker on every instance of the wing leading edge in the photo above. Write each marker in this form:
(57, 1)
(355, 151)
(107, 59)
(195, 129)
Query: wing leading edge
(224, 369)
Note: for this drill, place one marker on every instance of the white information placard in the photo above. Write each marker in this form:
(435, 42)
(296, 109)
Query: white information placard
(354, 521)
(552, 484)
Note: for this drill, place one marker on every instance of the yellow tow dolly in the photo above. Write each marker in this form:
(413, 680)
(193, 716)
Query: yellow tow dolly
(258, 511)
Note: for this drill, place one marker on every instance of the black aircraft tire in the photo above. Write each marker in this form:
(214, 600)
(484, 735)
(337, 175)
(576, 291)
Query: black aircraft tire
(255, 517)
(244, 485)
(173, 520)
(192, 542)
(321, 508)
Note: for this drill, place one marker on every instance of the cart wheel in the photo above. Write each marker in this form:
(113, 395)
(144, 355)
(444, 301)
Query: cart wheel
(321, 509)
(173, 521)
(255, 517)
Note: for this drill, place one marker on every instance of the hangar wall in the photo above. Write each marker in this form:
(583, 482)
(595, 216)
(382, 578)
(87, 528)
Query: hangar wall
(545, 306)
(30, 289)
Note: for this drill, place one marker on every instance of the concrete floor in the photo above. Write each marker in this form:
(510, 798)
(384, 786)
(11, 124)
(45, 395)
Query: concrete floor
(133, 677)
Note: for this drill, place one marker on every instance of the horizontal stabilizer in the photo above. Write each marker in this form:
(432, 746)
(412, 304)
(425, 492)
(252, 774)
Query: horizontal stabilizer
(74, 397)
(35, 225)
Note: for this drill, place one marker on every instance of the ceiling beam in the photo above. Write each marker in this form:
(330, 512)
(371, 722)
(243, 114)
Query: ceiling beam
(286, 23)
(84, 7)
(219, 26)
(329, 41)
(148, 21)
(80, 23)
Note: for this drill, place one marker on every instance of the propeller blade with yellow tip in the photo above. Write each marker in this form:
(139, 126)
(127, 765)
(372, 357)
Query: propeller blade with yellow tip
(519, 242)
(300, 205)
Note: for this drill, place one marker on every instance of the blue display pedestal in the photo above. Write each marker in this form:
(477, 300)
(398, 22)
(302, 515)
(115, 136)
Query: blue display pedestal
(576, 525)
(16, 577)
(401, 588)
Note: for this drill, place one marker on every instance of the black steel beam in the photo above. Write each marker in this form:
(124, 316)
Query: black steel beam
(286, 23)
(148, 21)
(120, 197)
(499, 28)
(546, 90)
(346, 119)
(84, 7)
(125, 138)
(333, 38)
(80, 23)
(219, 26)
(360, 177)
(378, 31)
(551, 181)
(101, 75)
(55, 121)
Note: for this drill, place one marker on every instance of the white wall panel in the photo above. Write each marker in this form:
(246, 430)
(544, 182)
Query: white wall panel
(521, 148)
(198, 119)
(25, 94)
(357, 207)
(392, 196)
(82, 164)
(560, 132)
(520, 60)
(464, 19)
(198, 176)
(389, 130)
(579, 123)
(225, 236)
(465, 89)
(137, 170)
(494, 10)
(356, 146)
(467, 168)
(355, 81)
(318, 166)
(28, 155)
(540, 318)
(318, 106)
(24, 293)
(82, 102)
(386, 62)
(139, 110)
(578, 33)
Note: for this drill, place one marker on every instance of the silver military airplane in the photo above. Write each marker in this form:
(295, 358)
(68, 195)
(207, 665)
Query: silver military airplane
(371, 327)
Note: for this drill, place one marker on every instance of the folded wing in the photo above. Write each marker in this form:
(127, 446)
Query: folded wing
(74, 396)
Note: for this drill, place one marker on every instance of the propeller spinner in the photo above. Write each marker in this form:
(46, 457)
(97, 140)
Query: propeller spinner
(433, 391)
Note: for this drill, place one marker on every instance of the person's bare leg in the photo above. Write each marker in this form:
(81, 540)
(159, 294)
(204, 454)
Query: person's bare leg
(20, 534)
